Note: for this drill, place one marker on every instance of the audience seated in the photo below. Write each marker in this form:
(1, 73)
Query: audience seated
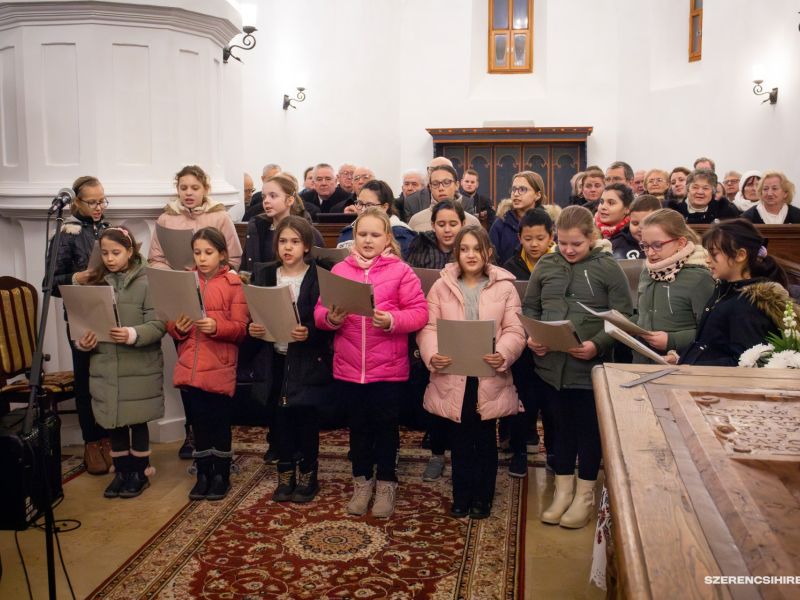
(775, 207)
(444, 186)
(701, 206)
(327, 196)
(639, 178)
(626, 243)
(656, 183)
(413, 182)
(473, 202)
(255, 206)
(747, 197)
(422, 199)
(619, 172)
(731, 184)
(676, 194)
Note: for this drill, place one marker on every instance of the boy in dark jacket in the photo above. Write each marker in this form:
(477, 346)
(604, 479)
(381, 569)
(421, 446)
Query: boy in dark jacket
(625, 244)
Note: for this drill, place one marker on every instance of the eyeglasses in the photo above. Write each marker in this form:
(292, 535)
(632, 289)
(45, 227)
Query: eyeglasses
(345, 174)
(655, 246)
(443, 183)
(731, 181)
(365, 205)
(360, 177)
(250, 191)
(520, 190)
(657, 180)
(96, 203)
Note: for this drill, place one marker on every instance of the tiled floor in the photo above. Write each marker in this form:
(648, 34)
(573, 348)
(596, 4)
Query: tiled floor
(556, 560)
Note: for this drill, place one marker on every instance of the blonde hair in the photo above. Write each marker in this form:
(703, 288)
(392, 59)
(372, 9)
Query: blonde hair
(672, 223)
(786, 185)
(387, 226)
(580, 218)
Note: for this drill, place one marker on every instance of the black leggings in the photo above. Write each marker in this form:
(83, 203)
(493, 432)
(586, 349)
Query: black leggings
(90, 430)
(577, 433)
(130, 437)
(297, 431)
(211, 419)
(374, 434)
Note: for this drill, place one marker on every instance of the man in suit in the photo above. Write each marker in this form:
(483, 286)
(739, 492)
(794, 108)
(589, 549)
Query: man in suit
(413, 181)
(473, 202)
(327, 196)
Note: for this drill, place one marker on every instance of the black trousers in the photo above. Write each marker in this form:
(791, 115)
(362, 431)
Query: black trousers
(373, 412)
(534, 396)
(437, 432)
(130, 437)
(187, 409)
(90, 430)
(274, 397)
(473, 451)
(297, 431)
(211, 419)
(578, 435)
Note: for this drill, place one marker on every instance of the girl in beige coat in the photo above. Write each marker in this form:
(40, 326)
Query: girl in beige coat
(473, 289)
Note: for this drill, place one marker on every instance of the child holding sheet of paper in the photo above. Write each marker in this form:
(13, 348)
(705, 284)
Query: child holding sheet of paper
(474, 289)
(126, 375)
(301, 370)
(581, 270)
(371, 357)
(206, 369)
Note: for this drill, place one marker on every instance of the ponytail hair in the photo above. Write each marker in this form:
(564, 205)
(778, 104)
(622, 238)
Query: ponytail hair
(728, 237)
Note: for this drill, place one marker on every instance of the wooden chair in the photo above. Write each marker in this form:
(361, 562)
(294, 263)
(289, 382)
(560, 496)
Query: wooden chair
(18, 312)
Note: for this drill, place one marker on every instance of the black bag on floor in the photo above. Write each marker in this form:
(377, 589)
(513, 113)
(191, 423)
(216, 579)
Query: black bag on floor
(21, 467)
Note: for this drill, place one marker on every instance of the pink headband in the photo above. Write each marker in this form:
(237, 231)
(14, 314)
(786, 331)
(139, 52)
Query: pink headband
(124, 232)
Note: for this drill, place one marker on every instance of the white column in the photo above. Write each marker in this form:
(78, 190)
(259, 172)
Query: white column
(128, 92)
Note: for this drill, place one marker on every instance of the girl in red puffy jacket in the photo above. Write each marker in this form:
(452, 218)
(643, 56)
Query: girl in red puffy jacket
(206, 367)
(370, 357)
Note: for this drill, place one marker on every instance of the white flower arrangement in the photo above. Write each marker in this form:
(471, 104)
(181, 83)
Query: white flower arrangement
(779, 352)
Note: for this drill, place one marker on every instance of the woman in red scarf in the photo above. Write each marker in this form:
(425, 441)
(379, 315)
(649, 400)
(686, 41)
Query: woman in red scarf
(612, 214)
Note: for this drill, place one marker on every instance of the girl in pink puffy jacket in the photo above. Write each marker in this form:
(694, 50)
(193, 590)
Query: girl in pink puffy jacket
(471, 288)
(370, 357)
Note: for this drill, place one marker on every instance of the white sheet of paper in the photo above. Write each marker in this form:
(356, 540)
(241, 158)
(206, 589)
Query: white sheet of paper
(90, 308)
(427, 277)
(353, 296)
(177, 246)
(466, 343)
(633, 269)
(335, 255)
(274, 308)
(175, 293)
(616, 318)
(559, 336)
(632, 343)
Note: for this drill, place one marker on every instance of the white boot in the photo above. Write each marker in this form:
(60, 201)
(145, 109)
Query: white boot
(362, 494)
(581, 509)
(561, 499)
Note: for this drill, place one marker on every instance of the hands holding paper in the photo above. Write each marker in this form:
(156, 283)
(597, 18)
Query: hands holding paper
(336, 315)
(656, 339)
(119, 335)
(439, 362)
(538, 349)
(88, 341)
(381, 319)
(586, 351)
(207, 325)
(81, 277)
(299, 333)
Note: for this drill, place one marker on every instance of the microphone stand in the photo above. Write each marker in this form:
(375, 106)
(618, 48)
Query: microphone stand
(38, 397)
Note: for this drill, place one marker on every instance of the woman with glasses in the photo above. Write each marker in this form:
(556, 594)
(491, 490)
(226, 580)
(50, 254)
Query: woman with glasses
(377, 194)
(79, 234)
(702, 205)
(656, 183)
(527, 191)
(675, 285)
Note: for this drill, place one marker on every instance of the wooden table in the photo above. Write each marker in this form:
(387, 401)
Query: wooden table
(703, 472)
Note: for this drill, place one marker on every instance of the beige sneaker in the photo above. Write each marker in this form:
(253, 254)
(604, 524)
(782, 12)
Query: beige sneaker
(362, 494)
(385, 493)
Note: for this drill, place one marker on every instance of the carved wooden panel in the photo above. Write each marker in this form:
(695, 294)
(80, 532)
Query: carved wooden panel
(480, 159)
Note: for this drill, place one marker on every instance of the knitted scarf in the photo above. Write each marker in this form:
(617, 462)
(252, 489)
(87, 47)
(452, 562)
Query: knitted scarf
(366, 263)
(667, 269)
(610, 231)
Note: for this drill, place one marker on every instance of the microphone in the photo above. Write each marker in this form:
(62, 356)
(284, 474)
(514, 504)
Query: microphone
(62, 199)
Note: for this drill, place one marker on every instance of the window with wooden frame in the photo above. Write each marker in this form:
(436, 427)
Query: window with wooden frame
(695, 29)
(510, 36)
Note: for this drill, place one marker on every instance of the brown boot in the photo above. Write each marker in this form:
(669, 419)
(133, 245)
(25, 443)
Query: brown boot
(105, 448)
(93, 459)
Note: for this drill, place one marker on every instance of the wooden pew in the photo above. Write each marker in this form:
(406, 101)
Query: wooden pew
(782, 240)
(330, 232)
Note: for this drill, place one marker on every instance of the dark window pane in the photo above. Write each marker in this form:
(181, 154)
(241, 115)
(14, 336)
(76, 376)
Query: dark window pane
(696, 33)
(520, 49)
(500, 17)
(520, 14)
(500, 49)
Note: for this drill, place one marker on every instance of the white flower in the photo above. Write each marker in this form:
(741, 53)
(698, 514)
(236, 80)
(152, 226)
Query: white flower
(751, 356)
(787, 359)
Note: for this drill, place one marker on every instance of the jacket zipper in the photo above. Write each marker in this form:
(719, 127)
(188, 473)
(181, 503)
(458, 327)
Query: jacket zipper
(196, 337)
(586, 274)
(364, 338)
(669, 301)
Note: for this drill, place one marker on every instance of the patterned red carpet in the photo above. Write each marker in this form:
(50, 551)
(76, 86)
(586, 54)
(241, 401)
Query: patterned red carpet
(248, 547)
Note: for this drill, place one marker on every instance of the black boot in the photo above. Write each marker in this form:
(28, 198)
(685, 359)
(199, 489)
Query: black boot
(136, 481)
(121, 469)
(307, 485)
(186, 451)
(286, 482)
(221, 475)
(204, 464)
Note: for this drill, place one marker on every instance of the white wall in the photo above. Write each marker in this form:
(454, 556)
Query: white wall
(379, 72)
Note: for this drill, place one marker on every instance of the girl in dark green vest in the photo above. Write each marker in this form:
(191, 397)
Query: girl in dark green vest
(126, 375)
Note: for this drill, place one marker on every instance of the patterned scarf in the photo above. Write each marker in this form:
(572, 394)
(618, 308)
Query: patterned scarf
(667, 269)
(366, 263)
(610, 231)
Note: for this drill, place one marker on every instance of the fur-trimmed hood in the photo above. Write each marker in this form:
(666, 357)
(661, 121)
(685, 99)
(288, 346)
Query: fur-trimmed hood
(770, 298)
(209, 205)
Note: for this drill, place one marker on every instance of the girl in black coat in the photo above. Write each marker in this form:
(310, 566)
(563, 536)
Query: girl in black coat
(749, 299)
(79, 234)
(301, 370)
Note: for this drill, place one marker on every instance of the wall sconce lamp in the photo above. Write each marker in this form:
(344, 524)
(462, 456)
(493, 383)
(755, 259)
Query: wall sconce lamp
(248, 43)
(759, 91)
(301, 96)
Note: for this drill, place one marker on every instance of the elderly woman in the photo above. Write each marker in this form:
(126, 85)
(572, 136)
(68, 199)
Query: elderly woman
(747, 197)
(701, 206)
(656, 183)
(774, 208)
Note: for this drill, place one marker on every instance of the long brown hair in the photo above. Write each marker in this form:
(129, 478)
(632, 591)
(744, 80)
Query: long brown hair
(213, 236)
(123, 237)
(485, 247)
(672, 223)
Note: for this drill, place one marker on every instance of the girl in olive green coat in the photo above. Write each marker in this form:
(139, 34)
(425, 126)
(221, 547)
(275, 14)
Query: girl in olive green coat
(675, 285)
(582, 270)
(126, 375)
